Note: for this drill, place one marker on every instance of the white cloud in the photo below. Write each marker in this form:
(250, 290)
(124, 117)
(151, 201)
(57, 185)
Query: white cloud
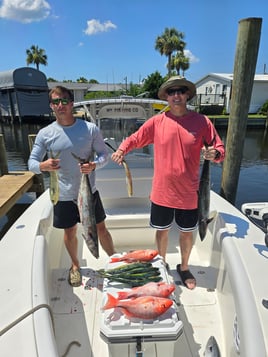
(192, 58)
(94, 26)
(25, 11)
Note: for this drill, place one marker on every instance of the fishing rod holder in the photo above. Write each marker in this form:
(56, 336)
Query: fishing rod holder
(258, 211)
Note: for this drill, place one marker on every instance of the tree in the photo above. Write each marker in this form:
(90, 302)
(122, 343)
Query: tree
(152, 83)
(82, 80)
(37, 56)
(180, 62)
(171, 40)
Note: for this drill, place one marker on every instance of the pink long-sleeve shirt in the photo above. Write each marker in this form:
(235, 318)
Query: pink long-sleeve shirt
(177, 147)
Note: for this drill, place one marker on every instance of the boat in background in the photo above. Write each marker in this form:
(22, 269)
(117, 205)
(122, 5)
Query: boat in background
(42, 315)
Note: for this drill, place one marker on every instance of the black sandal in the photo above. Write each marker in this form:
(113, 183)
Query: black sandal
(185, 275)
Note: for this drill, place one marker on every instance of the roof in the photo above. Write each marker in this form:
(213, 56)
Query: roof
(69, 85)
(229, 77)
(24, 77)
(88, 87)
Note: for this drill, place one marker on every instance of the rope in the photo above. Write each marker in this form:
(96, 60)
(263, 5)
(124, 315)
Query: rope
(69, 347)
(28, 313)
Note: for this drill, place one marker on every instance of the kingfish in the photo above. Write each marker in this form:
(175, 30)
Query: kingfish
(144, 307)
(54, 190)
(86, 209)
(204, 199)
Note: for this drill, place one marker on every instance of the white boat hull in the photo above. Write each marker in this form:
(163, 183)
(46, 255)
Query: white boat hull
(41, 315)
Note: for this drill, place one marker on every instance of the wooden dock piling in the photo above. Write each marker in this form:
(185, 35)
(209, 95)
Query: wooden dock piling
(244, 70)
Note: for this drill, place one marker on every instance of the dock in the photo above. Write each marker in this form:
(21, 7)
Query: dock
(13, 186)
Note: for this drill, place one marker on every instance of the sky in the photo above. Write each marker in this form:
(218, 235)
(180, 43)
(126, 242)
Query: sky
(114, 40)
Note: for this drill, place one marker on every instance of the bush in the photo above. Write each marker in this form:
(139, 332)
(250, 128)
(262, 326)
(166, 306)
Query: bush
(264, 109)
(211, 109)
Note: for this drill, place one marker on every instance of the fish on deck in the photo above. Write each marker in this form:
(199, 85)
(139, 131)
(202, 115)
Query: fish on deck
(160, 289)
(144, 307)
(144, 255)
(85, 203)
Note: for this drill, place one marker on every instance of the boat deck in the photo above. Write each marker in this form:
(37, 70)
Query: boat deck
(80, 308)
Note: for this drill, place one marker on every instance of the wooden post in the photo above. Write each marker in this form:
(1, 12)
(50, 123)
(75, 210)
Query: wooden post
(244, 71)
(3, 157)
(39, 185)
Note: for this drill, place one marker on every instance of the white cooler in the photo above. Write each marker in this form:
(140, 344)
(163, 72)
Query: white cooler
(136, 337)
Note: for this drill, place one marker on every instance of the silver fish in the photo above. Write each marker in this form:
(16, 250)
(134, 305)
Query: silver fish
(54, 191)
(204, 199)
(212, 348)
(127, 172)
(86, 209)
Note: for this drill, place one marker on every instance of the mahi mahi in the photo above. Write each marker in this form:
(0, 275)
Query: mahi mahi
(204, 199)
(54, 190)
(85, 203)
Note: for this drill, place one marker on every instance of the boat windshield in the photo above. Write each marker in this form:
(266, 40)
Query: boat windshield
(115, 130)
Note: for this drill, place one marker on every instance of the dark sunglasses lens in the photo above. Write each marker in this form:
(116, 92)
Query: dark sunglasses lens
(57, 101)
(172, 91)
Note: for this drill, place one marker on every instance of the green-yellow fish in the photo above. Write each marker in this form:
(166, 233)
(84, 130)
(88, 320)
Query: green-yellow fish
(54, 190)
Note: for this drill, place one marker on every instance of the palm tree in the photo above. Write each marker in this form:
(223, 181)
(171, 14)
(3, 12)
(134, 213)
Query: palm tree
(171, 40)
(37, 56)
(180, 62)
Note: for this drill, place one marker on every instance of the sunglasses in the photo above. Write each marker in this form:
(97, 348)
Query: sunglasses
(173, 91)
(63, 101)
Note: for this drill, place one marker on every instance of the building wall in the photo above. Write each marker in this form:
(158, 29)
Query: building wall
(211, 85)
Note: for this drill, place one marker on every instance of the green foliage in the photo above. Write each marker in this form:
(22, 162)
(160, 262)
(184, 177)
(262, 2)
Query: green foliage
(211, 109)
(171, 40)
(152, 84)
(36, 55)
(264, 109)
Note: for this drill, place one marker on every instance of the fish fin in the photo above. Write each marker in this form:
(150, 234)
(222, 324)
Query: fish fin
(115, 260)
(121, 295)
(111, 302)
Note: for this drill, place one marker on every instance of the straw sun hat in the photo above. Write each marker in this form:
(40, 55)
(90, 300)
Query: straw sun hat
(176, 81)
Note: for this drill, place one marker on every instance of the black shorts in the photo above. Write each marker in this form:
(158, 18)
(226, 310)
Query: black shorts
(66, 213)
(162, 218)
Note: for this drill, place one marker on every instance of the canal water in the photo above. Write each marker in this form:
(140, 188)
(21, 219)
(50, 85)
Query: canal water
(253, 179)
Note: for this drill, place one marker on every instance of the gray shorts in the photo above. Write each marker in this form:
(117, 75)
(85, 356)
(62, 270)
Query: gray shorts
(162, 218)
(66, 213)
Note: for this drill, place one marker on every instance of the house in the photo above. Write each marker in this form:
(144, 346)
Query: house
(216, 89)
(81, 89)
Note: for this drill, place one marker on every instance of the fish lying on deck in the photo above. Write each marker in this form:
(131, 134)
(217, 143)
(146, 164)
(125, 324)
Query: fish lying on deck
(127, 172)
(160, 289)
(54, 191)
(144, 307)
(144, 255)
(87, 213)
(204, 199)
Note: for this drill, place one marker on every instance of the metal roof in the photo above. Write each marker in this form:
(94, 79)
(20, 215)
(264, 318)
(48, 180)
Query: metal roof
(25, 77)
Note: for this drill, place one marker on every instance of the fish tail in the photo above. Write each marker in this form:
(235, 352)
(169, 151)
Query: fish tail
(111, 302)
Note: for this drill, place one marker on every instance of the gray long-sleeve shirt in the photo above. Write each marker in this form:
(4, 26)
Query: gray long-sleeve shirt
(84, 139)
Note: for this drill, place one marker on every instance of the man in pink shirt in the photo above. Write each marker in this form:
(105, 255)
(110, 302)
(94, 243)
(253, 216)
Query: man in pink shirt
(178, 136)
